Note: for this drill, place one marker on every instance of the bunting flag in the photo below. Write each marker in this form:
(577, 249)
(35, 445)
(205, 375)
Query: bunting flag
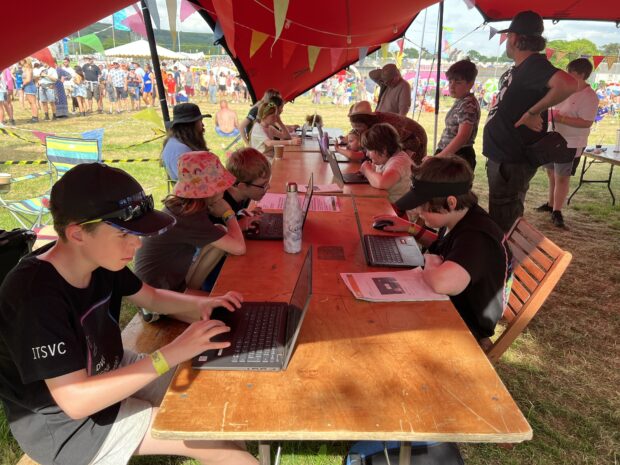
(150, 116)
(92, 41)
(363, 51)
(171, 6)
(503, 37)
(549, 52)
(470, 4)
(401, 44)
(135, 23)
(117, 20)
(287, 52)
(217, 32)
(313, 54)
(154, 12)
(384, 50)
(610, 61)
(41, 135)
(335, 54)
(257, 40)
(492, 32)
(45, 56)
(187, 9)
(96, 134)
(559, 54)
(597, 60)
(280, 7)
(399, 60)
(224, 13)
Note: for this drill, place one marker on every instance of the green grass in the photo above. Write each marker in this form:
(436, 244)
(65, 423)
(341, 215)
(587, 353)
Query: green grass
(562, 372)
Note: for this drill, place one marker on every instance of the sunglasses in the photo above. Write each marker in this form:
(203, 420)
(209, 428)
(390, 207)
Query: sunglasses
(128, 213)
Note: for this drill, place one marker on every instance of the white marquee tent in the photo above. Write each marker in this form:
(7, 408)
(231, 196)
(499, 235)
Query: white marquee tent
(140, 49)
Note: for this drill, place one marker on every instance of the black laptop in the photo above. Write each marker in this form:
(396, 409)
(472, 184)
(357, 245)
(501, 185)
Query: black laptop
(262, 334)
(345, 178)
(325, 152)
(271, 225)
(392, 251)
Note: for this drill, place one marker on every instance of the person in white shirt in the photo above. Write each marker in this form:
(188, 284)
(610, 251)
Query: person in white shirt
(573, 119)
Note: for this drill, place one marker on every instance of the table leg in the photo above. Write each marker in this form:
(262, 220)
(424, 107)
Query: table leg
(405, 453)
(264, 453)
(583, 171)
(613, 197)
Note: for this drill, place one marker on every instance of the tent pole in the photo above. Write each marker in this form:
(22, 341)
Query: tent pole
(438, 79)
(417, 74)
(161, 92)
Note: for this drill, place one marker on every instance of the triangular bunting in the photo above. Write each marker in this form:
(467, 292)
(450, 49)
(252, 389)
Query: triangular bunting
(401, 44)
(171, 6)
(549, 52)
(559, 54)
(149, 115)
(224, 12)
(152, 6)
(503, 37)
(136, 24)
(334, 55)
(597, 60)
(384, 50)
(187, 9)
(257, 40)
(287, 52)
(313, 54)
(41, 135)
(611, 61)
(399, 60)
(280, 8)
(470, 4)
(96, 134)
(492, 32)
(363, 51)
(117, 20)
(44, 55)
(92, 41)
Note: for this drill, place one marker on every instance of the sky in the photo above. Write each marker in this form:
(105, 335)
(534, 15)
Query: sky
(463, 21)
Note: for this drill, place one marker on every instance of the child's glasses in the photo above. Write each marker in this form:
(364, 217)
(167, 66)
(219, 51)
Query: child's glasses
(264, 186)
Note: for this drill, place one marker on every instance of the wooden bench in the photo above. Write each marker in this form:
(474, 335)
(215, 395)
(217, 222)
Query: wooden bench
(140, 337)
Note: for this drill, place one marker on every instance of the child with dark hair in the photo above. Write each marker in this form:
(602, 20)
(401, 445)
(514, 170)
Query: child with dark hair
(469, 260)
(70, 391)
(389, 167)
(462, 119)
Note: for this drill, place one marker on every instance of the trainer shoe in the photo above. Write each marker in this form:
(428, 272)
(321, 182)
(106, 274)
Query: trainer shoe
(557, 219)
(545, 207)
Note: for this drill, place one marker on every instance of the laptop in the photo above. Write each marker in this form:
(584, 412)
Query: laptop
(324, 148)
(263, 335)
(271, 225)
(392, 251)
(344, 178)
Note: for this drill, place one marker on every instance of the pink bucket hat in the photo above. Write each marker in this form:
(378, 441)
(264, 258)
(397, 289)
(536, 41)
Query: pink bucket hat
(201, 174)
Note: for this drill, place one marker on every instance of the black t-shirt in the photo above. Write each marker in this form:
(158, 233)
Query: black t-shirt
(477, 244)
(91, 72)
(519, 89)
(49, 328)
(234, 205)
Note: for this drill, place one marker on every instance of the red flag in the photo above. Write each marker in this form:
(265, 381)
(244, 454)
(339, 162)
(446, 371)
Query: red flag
(597, 60)
(44, 55)
(187, 9)
(335, 55)
(549, 52)
(502, 38)
(401, 44)
(287, 51)
(224, 12)
(136, 24)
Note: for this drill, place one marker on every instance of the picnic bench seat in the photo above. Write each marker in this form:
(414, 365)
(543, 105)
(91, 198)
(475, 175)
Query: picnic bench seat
(140, 336)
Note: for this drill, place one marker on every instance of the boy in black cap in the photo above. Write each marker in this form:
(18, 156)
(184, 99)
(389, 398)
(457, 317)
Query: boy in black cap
(71, 394)
(470, 261)
(519, 116)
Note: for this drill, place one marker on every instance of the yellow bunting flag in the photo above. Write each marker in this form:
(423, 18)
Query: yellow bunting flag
(149, 115)
(399, 60)
(610, 62)
(313, 54)
(258, 39)
(280, 8)
(559, 54)
(384, 51)
(171, 5)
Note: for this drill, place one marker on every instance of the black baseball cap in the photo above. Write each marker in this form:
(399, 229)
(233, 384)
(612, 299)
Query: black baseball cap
(424, 191)
(92, 192)
(526, 23)
(186, 113)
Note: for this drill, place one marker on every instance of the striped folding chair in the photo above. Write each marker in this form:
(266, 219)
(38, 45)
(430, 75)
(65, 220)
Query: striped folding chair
(62, 154)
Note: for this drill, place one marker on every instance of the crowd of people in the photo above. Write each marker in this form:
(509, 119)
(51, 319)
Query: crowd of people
(68, 293)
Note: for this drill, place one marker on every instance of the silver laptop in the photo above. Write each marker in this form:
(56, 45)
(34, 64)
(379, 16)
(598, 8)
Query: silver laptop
(392, 251)
(324, 148)
(344, 178)
(263, 335)
(271, 225)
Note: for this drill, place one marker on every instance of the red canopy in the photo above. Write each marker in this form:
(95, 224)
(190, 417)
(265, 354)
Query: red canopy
(498, 10)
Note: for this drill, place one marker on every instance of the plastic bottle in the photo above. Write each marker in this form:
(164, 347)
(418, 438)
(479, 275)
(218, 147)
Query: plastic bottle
(292, 220)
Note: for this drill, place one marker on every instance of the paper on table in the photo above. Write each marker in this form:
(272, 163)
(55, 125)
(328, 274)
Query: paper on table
(319, 203)
(390, 286)
(320, 188)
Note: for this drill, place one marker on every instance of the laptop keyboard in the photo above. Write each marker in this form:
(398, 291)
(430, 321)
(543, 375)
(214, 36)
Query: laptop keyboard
(274, 226)
(383, 249)
(258, 344)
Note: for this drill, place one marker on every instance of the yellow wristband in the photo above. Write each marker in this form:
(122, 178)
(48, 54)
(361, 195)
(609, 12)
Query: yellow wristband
(228, 214)
(413, 229)
(159, 362)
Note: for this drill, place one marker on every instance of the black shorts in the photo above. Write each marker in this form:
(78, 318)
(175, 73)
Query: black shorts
(466, 153)
(222, 88)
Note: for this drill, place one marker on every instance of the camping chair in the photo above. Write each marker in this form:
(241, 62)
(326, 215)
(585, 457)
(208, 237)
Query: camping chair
(538, 266)
(62, 154)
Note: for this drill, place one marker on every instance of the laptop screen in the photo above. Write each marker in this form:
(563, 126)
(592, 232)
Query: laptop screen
(298, 305)
(359, 228)
(308, 198)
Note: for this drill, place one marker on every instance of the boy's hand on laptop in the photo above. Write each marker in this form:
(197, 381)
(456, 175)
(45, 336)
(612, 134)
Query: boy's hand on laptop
(400, 225)
(248, 222)
(230, 301)
(195, 340)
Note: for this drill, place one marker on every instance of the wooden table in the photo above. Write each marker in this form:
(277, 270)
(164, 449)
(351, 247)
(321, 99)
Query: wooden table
(361, 370)
(608, 156)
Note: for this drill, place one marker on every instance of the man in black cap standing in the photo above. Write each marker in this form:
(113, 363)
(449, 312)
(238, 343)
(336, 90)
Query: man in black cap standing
(519, 116)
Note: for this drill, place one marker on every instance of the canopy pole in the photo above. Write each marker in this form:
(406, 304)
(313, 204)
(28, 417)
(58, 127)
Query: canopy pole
(438, 79)
(161, 92)
(417, 74)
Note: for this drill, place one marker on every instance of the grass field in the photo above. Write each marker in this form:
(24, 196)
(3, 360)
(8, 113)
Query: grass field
(563, 372)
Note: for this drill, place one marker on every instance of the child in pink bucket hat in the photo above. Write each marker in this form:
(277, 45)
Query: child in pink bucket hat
(182, 258)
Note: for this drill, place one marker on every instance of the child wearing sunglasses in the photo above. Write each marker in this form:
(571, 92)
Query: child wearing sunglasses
(70, 391)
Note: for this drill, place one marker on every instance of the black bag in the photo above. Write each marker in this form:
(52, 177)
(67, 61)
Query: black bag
(13, 246)
(551, 148)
